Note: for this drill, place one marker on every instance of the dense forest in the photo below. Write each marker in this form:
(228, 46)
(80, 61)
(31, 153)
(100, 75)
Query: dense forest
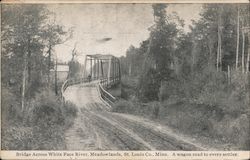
(33, 116)
(196, 81)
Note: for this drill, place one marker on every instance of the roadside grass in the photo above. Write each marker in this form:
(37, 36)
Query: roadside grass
(219, 113)
(194, 119)
(115, 91)
(40, 127)
(136, 108)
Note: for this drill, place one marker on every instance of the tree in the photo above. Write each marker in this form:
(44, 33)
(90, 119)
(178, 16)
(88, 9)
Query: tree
(244, 19)
(238, 37)
(75, 69)
(54, 34)
(23, 28)
(132, 64)
(26, 33)
(219, 56)
(159, 54)
(218, 28)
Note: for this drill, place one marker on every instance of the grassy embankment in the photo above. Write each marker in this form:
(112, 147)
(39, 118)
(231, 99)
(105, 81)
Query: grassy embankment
(215, 115)
(40, 127)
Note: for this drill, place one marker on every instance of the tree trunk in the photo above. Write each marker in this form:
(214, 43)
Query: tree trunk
(238, 38)
(49, 64)
(56, 92)
(220, 55)
(228, 74)
(24, 82)
(130, 69)
(243, 54)
(29, 66)
(210, 61)
(218, 61)
(248, 54)
(248, 34)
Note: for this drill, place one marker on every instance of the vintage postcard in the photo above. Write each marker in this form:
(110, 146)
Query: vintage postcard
(125, 79)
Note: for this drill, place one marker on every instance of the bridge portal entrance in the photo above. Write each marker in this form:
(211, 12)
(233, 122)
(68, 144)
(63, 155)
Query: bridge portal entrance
(100, 66)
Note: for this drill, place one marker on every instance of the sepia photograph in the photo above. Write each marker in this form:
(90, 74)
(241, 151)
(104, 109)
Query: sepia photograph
(125, 77)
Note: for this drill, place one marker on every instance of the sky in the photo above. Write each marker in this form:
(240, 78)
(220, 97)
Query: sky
(123, 24)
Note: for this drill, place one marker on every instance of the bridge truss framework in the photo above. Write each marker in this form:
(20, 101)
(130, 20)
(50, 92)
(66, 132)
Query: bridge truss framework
(102, 67)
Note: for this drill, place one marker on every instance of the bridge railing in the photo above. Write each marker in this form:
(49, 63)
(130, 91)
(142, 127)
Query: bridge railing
(103, 85)
(70, 82)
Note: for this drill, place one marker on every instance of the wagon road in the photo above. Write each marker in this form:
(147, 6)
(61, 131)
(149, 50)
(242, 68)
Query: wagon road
(97, 128)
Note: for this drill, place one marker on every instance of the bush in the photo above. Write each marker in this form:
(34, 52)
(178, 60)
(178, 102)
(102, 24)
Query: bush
(231, 98)
(16, 137)
(10, 107)
(45, 110)
(149, 85)
(234, 130)
(128, 87)
(209, 121)
(43, 126)
(151, 109)
(192, 118)
(170, 89)
(69, 113)
(124, 106)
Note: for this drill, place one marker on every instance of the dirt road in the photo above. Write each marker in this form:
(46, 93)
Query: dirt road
(96, 128)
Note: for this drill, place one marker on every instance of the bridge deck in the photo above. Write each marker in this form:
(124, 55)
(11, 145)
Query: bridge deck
(84, 94)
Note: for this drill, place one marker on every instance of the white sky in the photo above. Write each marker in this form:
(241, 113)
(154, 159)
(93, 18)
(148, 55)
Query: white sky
(126, 24)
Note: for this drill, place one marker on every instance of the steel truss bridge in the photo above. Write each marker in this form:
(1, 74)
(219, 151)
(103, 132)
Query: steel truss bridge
(103, 129)
(104, 70)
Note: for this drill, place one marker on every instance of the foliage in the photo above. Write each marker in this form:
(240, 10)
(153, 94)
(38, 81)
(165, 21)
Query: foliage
(28, 39)
(42, 128)
(22, 32)
(75, 69)
(123, 106)
(152, 60)
(151, 109)
(33, 117)
(149, 85)
(179, 71)
(128, 87)
(10, 109)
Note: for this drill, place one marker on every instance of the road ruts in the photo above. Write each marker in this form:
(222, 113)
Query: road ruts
(96, 128)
